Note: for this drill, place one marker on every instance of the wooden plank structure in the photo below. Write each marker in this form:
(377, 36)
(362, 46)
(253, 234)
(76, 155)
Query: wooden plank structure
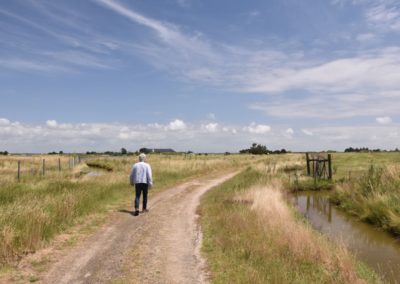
(319, 166)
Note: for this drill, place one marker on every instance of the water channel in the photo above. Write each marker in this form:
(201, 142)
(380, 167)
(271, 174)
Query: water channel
(378, 249)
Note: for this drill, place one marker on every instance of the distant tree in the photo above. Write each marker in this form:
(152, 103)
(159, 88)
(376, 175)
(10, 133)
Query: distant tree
(61, 152)
(227, 153)
(124, 151)
(256, 149)
(362, 149)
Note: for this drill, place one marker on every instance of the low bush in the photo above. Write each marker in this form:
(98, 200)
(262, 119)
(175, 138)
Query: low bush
(100, 164)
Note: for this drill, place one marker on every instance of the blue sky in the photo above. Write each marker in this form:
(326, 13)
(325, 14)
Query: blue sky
(199, 75)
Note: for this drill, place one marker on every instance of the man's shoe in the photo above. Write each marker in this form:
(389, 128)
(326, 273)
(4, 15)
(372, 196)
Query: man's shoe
(145, 210)
(136, 213)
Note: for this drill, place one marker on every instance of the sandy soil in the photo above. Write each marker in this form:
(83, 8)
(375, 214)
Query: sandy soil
(162, 246)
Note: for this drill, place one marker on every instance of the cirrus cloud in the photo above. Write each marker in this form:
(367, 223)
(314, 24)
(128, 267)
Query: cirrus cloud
(384, 120)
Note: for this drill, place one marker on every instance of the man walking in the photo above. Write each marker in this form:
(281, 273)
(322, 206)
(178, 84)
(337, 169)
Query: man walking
(141, 178)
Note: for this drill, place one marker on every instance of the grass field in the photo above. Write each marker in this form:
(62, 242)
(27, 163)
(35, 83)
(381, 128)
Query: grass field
(250, 231)
(349, 165)
(370, 188)
(39, 207)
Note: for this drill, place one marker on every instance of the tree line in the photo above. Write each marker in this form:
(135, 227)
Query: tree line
(258, 149)
(366, 149)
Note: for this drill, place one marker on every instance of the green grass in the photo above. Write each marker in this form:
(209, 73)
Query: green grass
(374, 197)
(241, 248)
(35, 210)
(352, 165)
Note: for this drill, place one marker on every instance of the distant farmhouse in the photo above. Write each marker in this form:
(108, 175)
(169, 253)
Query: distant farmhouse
(169, 150)
(154, 150)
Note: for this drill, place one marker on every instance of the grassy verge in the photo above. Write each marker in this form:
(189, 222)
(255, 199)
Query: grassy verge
(252, 236)
(374, 197)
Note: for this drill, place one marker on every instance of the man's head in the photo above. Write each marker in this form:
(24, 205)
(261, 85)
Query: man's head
(142, 157)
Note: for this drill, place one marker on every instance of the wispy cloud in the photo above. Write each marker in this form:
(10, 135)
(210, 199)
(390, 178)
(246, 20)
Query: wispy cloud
(27, 65)
(166, 32)
(384, 15)
(384, 120)
(344, 105)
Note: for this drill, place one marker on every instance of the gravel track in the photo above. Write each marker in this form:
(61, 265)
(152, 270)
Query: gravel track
(162, 246)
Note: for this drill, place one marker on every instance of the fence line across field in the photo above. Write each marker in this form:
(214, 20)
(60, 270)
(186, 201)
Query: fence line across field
(72, 162)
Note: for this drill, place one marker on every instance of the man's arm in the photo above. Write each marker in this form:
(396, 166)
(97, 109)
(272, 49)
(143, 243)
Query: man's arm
(149, 176)
(132, 176)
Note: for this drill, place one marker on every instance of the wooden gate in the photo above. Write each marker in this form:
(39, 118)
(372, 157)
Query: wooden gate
(319, 166)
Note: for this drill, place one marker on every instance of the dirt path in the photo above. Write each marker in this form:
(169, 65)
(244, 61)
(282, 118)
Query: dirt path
(157, 247)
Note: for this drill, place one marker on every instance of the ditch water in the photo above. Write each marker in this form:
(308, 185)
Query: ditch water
(378, 249)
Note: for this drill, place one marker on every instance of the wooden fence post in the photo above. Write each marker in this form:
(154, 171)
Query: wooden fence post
(308, 164)
(44, 167)
(19, 170)
(73, 162)
(329, 166)
(59, 164)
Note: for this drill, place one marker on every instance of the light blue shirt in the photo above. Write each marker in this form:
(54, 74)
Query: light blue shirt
(141, 173)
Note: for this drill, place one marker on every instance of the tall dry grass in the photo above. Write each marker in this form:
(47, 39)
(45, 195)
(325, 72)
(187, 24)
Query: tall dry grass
(374, 197)
(252, 235)
(303, 243)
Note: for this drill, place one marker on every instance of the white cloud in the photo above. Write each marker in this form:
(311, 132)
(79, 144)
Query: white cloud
(342, 105)
(177, 124)
(384, 15)
(211, 127)
(374, 71)
(21, 137)
(365, 37)
(27, 65)
(166, 32)
(384, 120)
(51, 123)
(4, 121)
(257, 128)
(288, 133)
(229, 129)
(307, 132)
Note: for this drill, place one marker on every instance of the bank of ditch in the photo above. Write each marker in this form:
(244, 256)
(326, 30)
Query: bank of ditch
(252, 235)
(373, 197)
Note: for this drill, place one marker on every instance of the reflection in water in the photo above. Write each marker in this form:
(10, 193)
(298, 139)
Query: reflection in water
(376, 248)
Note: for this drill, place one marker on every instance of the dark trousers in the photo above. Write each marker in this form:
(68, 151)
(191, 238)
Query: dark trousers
(139, 188)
